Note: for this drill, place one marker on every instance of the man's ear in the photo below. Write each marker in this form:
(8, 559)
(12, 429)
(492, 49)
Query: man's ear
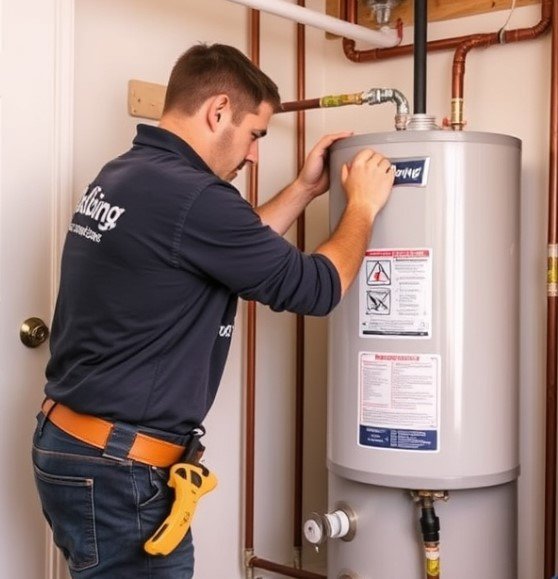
(218, 112)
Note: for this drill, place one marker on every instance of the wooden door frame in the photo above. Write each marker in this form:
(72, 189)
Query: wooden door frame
(62, 186)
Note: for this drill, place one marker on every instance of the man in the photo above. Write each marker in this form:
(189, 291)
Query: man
(158, 251)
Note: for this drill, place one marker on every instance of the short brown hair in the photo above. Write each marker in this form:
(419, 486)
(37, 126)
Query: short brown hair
(204, 71)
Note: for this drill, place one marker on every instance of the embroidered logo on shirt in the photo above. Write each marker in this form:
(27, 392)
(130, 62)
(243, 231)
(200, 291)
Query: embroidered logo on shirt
(92, 205)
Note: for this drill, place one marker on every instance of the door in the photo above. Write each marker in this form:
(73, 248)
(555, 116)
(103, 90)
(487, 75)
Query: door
(30, 176)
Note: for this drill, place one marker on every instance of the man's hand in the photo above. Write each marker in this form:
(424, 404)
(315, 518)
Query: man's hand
(314, 176)
(282, 210)
(367, 180)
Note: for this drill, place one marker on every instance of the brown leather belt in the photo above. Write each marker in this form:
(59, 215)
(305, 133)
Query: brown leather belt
(96, 432)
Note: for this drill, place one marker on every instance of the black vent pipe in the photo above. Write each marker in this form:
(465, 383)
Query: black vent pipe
(421, 23)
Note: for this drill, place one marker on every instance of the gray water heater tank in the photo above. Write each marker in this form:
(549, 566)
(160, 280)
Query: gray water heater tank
(423, 352)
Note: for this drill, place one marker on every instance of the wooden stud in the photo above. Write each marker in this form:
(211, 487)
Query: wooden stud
(437, 9)
(146, 99)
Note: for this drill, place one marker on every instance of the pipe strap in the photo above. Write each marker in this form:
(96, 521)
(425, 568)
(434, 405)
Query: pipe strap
(552, 271)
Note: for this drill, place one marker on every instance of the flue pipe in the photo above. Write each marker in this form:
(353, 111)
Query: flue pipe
(325, 22)
(421, 24)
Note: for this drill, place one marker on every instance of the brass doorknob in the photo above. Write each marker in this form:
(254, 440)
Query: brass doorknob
(33, 332)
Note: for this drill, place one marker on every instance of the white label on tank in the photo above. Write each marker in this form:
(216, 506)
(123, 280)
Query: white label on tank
(395, 293)
(399, 401)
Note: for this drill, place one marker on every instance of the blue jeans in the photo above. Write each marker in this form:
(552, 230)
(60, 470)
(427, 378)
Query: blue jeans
(102, 510)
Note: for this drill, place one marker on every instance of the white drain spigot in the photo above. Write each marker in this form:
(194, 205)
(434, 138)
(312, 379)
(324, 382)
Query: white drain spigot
(339, 524)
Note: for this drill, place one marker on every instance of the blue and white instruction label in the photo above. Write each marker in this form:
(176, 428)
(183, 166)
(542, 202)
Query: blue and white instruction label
(399, 401)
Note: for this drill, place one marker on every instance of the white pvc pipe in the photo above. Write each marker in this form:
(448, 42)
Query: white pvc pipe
(323, 21)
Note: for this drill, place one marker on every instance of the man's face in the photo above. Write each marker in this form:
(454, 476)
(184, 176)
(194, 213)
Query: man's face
(238, 144)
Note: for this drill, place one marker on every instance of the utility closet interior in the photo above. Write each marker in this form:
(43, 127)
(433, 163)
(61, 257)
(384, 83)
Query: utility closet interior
(317, 479)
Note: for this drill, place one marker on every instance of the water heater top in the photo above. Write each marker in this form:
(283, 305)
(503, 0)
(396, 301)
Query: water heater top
(427, 136)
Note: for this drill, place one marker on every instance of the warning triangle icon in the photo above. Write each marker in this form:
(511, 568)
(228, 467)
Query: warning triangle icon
(378, 273)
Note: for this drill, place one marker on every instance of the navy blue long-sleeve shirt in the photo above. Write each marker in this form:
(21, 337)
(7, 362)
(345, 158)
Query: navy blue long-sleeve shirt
(158, 251)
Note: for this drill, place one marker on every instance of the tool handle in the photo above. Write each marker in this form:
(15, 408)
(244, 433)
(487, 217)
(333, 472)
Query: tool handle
(190, 483)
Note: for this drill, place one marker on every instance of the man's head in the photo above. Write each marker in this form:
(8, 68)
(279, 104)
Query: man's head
(205, 71)
(220, 103)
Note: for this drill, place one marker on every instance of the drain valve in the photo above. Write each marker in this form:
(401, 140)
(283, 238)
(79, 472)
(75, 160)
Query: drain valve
(339, 524)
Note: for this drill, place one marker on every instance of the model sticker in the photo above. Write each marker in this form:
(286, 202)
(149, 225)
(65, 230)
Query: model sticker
(399, 401)
(395, 293)
(411, 171)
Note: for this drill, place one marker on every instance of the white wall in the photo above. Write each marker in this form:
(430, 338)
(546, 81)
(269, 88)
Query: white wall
(506, 90)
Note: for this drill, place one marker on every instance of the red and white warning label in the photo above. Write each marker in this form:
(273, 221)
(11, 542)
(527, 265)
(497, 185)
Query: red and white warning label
(395, 293)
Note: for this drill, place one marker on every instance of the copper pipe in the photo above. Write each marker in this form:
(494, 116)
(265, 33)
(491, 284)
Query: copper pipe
(552, 317)
(254, 16)
(485, 40)
(300, 105)
(459, 60)
(372, 96)
(250, 424)
(550, 438)
(350, 14)
(323, 102)
(258, 563)
(300, 328)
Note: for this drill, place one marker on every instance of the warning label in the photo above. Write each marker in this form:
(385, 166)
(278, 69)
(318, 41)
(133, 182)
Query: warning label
(399, 401)
(395, 293)
(378, 272)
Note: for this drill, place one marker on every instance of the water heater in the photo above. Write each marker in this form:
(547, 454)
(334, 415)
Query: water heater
(423, 360)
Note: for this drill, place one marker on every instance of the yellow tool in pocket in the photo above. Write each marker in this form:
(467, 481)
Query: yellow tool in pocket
(190, 483)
